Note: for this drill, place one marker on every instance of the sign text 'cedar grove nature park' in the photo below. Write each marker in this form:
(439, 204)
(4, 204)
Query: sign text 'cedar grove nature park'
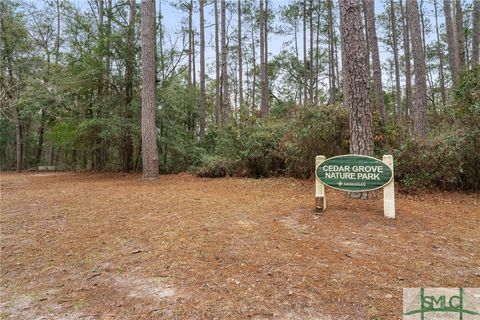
(354, 173)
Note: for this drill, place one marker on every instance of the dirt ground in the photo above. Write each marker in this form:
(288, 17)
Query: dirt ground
(90, 246)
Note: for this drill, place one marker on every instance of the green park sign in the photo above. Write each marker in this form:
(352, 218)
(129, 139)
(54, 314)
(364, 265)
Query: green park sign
(354, 173)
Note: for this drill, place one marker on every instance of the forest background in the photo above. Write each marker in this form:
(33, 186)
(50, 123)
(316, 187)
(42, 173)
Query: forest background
(257, 89)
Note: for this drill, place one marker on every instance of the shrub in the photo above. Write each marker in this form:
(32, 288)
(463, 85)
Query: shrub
(467, 107)
(245, 149)
(314, 131)
(435, 162)
(214, 166)
(449, 157)
(259, 154)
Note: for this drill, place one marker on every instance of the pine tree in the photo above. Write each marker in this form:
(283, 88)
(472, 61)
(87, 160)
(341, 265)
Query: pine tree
(240, 58)
(263, 69)
(203, 98)
(377, 70)
(356, 76)
(127, 147)
(440, 57)
(225, 91)
(149, 140)
(420, 94)
(398, 89)
(451, 42)
(218, 106)
(476, 33)
(356, 73)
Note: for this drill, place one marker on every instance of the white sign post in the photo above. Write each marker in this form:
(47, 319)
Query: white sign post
(389, 192)
(320, 198)
(355, 173)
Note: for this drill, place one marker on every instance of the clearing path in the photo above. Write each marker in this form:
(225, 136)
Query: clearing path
(90, 246)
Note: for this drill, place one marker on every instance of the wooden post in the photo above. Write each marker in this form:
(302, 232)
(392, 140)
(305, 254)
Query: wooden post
(389, 191)
(320, 198)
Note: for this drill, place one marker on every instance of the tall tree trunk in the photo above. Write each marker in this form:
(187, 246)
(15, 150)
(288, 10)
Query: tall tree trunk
(305, 62)
(297, 56)
(191, 66)
(336, 60)
(408, 65)
(248, 79)
(149, 141)
(398, 89)
(345, 80)
(440, 57)
(203, 98)
(475, 33)
(451, 42)
(18, 138)
(41, 132)
(127, 148)
(57, 38)
(240, 60)
(460, 33)
(317, 56)
(263, 96)
(190, 47)
(266, 87)
(357, 78)
(420, 101)
(310, 69)
(101, 45)
(424, 42)
(160, 42)
(331, 53)
(225, 92)
(194, 65)
(108, 46)
(365, 25)
(254, 60)
(97, 154)
(377, 69)
(218, 113)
